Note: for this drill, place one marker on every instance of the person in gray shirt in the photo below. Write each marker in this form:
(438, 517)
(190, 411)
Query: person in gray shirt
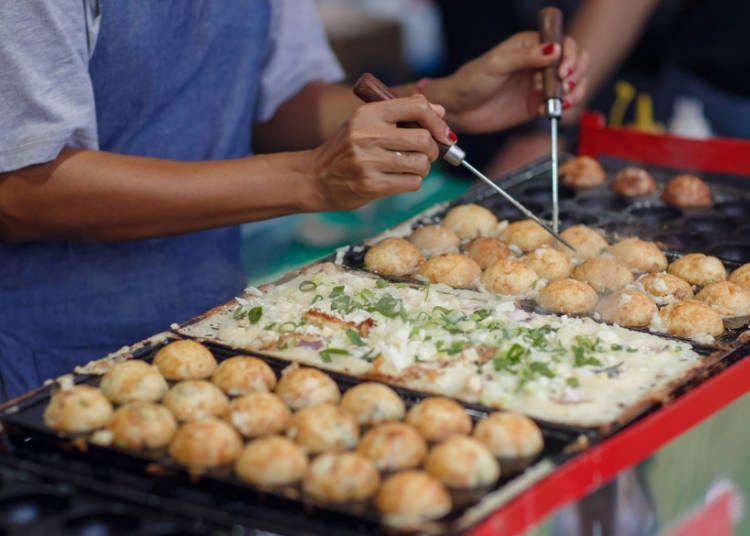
(126, 130)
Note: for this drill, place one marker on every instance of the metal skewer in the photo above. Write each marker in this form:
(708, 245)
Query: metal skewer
(370, 89)
(550, 31)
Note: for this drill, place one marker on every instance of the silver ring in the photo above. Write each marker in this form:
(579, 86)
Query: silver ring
(398, 153)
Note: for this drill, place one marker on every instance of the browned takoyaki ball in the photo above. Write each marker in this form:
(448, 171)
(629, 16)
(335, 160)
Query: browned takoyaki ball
(526, 235)
(665, 288)
(413, 496)
(686, 191)
(185, 360)
(341, 477)
(271, 461)
(393, 256)
(509, 277)
(324, 428)
(692, 319)
(240, 375)
(629, 308)
(81, 408)
(301, 387)
(549, 263)
(462, 462)
(638, 255)
(438, 418)
(726, 298)
(741, 276)
(258, 414)
(568, 296)
(434, 239)
(582, 172)
(588, 242)
(633, 182)
(195, 399)
(452, 269)
(470, 220)
(142, 425)
(205, 443)
(509, 435)
(603, 274)
(372, 403)
(133, 380)
(487, 250)
(698, 269)
(393, 446)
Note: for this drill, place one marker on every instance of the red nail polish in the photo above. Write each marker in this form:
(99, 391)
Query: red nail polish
(452, 136)
(571, 85)
(569, 72)
(565, 104)
(548, 49)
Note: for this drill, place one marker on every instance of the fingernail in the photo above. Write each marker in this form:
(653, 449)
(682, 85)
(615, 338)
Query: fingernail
(565, 104)
(548, 49)
(571, 84)
(568, 72)
(452, 136)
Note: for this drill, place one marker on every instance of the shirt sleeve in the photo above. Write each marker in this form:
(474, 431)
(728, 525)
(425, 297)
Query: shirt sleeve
(46, 97)
(299, 53)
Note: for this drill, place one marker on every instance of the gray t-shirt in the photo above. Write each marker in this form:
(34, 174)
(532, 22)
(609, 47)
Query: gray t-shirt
(46, 96)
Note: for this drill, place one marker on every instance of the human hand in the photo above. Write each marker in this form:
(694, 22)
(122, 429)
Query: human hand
(502, 87)
(370, 156)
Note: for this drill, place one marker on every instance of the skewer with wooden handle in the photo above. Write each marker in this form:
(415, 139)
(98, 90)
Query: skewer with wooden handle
(370, 89)
(550, 31)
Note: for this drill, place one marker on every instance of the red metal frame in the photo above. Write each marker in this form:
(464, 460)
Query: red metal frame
(602, 462)
(722, 155)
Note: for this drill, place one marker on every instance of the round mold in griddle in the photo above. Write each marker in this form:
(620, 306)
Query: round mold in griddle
(601, 202)
(543, 194)
(730, 251)
(103, 522)
(503, 210)
(734, 209)
(654, 214)
(25, 508)
(684, 242)
(711, 225)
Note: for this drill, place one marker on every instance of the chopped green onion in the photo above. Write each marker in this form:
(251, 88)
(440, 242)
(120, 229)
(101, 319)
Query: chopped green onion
(354, 337)
(382, 283)
(287, 327)
(325, 355)
(572, 381)
(307, 285)
(255, 314)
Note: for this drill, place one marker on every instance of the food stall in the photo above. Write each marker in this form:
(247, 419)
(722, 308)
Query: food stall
(639, 427)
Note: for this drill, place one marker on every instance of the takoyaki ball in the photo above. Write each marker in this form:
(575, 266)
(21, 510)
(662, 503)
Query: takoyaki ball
(462, 462)
(741, 276)
(205, 443)
(588, 242)
(341, 477)
(665, 288)
(568, 296)
(142, 425)
(698, 269)
(258, 414)
(486, 251)
(195, 399)
(393, 446)
(453, 269)
(603, 274)
(185, 360)
(393, 256)
(686, 191)
(271, 461)
(582, 172)
(509, 436)
(470, 220)
(526, 235)
(629, 308)
(633, 182)
(81, 408)
(301, 387)
(240, 375)
(324, 428)
(438, 418)
(692, 319)
(413, 496)
(638, 255)
(510, 277)
(372, 403)
(434, 239)
(133, 380)
(549, 263)
(726, 298)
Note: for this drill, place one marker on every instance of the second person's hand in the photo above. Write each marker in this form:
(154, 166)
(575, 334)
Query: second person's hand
(370, 156)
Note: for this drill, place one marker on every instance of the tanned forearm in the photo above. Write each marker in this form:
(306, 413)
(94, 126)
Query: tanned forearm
(97, 196)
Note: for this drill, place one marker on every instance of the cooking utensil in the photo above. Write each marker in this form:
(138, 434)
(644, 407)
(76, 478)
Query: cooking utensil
(370, 89)
(550, 31)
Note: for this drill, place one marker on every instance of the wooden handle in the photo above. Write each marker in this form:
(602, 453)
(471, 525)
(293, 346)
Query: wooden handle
(370, 89)
(551, 31)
